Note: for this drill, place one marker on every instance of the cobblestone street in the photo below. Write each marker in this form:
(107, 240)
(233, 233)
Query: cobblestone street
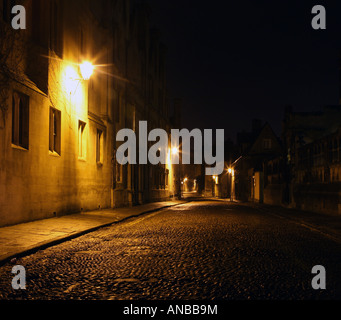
(199, 250)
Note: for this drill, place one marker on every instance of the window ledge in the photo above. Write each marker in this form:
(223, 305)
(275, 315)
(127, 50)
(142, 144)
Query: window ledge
(54, 154)
(14, 146)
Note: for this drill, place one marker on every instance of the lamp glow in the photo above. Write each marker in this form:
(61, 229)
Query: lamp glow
(175, 151)
(86, 69)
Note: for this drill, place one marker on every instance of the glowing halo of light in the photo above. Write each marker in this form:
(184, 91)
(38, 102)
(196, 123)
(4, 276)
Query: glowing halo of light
(86, 69)
(175, 150)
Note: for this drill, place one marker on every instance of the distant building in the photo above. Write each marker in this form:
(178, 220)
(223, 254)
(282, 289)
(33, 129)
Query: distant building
(312, 159)
(255, 148)
(302, 170)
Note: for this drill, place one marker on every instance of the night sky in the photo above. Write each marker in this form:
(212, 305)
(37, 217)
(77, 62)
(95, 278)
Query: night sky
(232, 61)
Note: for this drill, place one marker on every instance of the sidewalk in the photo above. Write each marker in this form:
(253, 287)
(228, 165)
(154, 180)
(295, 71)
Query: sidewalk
(22, 239)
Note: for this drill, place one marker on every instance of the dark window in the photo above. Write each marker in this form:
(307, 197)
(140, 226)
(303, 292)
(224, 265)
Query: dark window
(20, 120)
(99, 146)
(81, 140)
(267, 144)
(118, 172)
(7, 6)
(56, 41)
(118, 107)
(166, 177)
(55, 131)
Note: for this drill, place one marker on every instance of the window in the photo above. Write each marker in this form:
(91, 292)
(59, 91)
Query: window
(82, 42)
(118, 172)
(166, 177)
(267, 144)
(81, 140)
(118, 107)
(99, 146)
(56, 43)
(20, 120)
(335, 148)
(7, 6)
(55, 131)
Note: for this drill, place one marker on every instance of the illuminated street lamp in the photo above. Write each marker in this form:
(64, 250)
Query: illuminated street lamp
(87, 69)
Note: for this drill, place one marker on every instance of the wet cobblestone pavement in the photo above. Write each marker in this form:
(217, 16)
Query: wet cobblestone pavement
(200, 250)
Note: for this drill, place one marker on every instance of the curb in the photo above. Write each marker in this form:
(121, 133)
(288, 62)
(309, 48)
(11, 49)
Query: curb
(51, 243)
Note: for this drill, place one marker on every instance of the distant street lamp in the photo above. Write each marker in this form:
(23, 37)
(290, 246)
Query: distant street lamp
(231, 173)
(176, 154)
(175, 151)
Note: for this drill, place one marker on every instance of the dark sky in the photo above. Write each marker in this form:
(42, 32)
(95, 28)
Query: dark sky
(232, 61)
